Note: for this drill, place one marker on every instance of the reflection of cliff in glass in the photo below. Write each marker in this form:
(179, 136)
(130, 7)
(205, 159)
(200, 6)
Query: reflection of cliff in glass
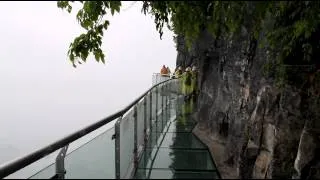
(178, 153)
(188, 154)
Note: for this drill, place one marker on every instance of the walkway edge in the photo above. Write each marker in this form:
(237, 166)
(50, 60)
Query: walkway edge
(216, 149)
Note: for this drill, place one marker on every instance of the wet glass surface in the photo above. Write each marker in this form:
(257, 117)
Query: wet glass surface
(182, 140)
(171, 174)
(183, 159)
(180, 128)
(174, 152)
(93, 160)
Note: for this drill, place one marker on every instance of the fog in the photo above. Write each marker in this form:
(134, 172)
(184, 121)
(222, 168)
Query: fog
(43, 98)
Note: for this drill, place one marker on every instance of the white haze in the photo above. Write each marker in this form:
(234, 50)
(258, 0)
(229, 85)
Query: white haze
(43, 98)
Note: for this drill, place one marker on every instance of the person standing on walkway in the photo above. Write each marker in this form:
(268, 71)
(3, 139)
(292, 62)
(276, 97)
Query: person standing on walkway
(168, 71)
(185, 110)
(163, 71)
(194, 83)
(178, 72)
(186, 83)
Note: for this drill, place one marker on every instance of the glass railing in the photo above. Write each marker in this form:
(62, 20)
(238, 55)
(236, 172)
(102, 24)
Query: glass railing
(141, 126)
(115, 152)
(94, 159)
(158, 78)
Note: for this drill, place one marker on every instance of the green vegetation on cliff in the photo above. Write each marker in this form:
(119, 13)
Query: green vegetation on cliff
(289, 27)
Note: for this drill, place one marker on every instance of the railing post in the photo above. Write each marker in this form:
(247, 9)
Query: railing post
(60, 170)
(169, 100)
(156, 115)
(135, 147)
(150, 132)
(145, 121)
(162, 106)
(150, 124)
(166, 103)
(117, 148)
(167, 93)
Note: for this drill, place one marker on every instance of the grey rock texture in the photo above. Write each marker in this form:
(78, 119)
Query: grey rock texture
(253, 129)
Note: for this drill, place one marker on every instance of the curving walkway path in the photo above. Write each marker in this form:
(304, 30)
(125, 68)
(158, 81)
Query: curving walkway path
(173, 152)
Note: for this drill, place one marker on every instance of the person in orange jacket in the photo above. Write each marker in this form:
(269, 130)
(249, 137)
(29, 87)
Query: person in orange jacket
(164, 71)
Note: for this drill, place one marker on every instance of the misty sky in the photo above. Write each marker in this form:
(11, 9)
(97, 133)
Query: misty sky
(43, 98)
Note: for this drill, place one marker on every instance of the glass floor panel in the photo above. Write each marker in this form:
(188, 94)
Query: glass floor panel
(182, 140)
(147, 157)
(180, 128)
(155, 140)
(181, 122)
(160, 126)
(173, 152)
(172, 174)
(185, 118)
(183, 159)
(176, 159)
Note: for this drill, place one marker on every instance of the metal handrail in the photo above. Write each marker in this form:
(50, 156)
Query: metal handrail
(19, 163)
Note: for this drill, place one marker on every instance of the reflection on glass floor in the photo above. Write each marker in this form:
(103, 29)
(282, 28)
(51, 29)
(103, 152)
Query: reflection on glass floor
(173, 152)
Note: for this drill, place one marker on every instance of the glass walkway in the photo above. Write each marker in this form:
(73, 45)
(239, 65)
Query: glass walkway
(174, 152)
(149, 139)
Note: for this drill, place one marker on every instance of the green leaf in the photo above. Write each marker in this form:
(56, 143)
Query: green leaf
(62, 4)
(285, 25)
(117, 8)
(71, 57)
(69, 8)
(106, 24)
(96, 55)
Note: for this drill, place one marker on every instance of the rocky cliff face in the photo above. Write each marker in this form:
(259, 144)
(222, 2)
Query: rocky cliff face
(256, 130)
